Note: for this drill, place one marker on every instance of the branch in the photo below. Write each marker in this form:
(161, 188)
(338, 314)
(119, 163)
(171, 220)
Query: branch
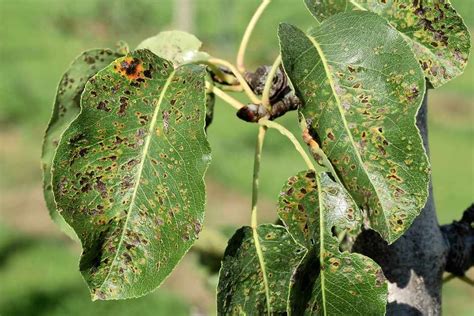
(248, 32)
(460, 239)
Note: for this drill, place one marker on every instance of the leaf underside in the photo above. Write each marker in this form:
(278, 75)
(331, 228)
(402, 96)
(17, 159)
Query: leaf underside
(128, 172)
(434, 30)
(361, 88)
(176, 46)
(245, 281)
(66, 108)
(318, 213)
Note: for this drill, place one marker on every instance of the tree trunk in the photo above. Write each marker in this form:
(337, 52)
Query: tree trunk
(414, 264)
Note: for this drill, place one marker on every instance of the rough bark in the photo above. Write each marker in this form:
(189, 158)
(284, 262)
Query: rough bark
(460, 237)
(414, 264)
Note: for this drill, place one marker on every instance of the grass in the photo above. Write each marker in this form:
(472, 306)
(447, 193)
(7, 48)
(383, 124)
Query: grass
(38, 39)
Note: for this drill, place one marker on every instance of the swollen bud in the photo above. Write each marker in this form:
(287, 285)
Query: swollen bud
(252, 113)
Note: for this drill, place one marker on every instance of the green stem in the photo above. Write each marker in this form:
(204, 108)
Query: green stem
(225, 97)
(269, 83)
(248, 32)
(224, 77)
(239, 77)
(254, 221)
(237, 88)
(292, 138)
(256, 170)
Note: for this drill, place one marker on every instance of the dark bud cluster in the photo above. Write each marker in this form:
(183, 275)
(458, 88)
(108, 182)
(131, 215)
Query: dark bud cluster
(257, 80)
(282, 98)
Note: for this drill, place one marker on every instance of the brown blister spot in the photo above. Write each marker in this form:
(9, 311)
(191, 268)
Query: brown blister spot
(89, 59)
(101, 187)
(379, 278)
(129, 67)
(334, 263)
(102, 105)
(123, 106)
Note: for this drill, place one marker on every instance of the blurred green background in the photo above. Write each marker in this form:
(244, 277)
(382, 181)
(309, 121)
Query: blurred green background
(38, 40)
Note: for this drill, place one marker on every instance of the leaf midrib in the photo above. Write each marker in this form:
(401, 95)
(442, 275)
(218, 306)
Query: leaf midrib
(321, 243)
(344, 121)
(140, 170)
(261, 260)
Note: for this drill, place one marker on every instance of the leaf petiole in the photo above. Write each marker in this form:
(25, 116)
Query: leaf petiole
(256, 171)
(285, 132)
(269, 83)
(253, 216)
(253, 98)
(225, 97)
(237, 88)
(248, 33)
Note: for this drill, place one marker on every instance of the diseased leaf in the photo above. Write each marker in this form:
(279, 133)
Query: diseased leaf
(323, 9)
(361, 91)
(255, 277)
(210, 102)
(319, 213)
(298, 200)
(176, 46)
(65, 109)
(128, 172)
(435, 31)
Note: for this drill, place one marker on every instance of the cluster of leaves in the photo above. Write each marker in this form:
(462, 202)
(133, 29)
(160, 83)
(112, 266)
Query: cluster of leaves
(125, 154)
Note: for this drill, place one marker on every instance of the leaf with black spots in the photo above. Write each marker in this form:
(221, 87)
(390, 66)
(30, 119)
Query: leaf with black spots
(256, 271)
(128, 172)
(434, 30)
(361, 92)
(65, 110)
(320, 214)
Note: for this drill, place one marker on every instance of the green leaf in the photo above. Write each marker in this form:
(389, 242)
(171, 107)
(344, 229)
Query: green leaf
(435, 31)
(128, 172)
(65, 109)
(256, 271)
(361, 88)
(176, 46)
(323, 9)
(299, 198)
(319, 212)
